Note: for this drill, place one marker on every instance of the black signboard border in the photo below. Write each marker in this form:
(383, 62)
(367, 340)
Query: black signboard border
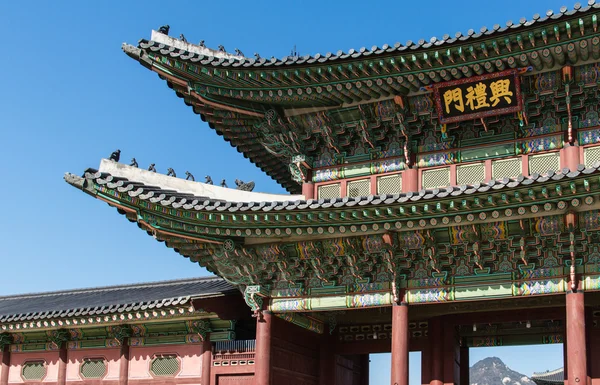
(478, 115)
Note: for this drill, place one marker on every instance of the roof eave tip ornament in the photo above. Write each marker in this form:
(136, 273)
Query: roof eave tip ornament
(131, 51)
(75, 180)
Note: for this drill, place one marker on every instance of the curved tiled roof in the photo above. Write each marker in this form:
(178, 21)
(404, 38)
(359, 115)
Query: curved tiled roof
(554, 376)
(110, 299)
(471, 36)
(174, 199)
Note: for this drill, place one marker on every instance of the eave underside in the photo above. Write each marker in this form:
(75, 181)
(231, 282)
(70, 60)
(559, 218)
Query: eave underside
(509, 223)
(311, 95)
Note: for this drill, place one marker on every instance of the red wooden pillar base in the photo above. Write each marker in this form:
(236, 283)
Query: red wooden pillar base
(410, 180)
(364, 369)
(5, 366)
(264, 325)
(451, 353)
(426, 362)
(308, 190)
(436, 350)
(124, 362)
(400, 344)
(576, 346)
(206, 360)
(327, 362)
(464, 365)
(569, 157)
(62, 364)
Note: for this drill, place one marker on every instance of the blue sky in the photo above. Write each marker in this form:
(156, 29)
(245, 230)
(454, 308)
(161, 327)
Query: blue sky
(69, 97)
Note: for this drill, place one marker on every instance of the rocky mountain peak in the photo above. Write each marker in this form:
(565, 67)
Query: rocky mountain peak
(492, 371)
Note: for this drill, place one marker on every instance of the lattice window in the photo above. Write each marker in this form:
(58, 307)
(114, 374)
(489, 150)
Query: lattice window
(391, 184)
(470, 174)
(33, 370)
(167, 365)
(93, 368)
(591, 155)
(359, 188)
(329, 191)
(507, 168)
(540, 164)
(439, 177)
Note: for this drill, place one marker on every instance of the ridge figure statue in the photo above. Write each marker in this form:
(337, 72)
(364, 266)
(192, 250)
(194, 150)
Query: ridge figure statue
(115, 156)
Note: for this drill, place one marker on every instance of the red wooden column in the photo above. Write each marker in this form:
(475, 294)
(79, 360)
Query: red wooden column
(565, 355)
(308, 190)
(400, 344)
(436, 350)
(62, 364)
(576, 348)
(464, 365)
(451, 355)
(206, 360)
(410, 180)
(327, 362)
(569, 157)
(124, 362)
(426, 362)
(264, 326)
(364, 369)
(5, 365)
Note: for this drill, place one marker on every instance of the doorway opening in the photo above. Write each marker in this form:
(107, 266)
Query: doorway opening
(516, 364)
(380, 368)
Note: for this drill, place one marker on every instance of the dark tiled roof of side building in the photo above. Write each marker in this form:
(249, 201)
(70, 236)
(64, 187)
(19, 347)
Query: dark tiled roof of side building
(110, 299)
(554, 376)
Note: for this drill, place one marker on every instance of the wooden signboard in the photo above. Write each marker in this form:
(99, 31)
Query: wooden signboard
(478, 96)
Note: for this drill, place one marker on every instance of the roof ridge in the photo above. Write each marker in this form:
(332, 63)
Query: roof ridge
(111, 287)
(236, 61)
(549, 372)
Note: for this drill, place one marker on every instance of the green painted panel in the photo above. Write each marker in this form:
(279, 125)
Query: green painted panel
(495, 278)
(328, 290)
(94, 332)
(359, 170)
(164, 340)
(166, 327)
(487, 152)
(328, 302)
(33, 347)
(222, 336)
(92, 344)
(36, 336)
(220, 325)
(489, 291)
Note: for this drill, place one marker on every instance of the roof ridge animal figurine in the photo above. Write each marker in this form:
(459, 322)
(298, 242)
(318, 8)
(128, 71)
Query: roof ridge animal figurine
(208, 180)
(133, 163)
(242, 186)
(152, 168)
(115, 156)
(171, 172)
(189, 176)
(223, 183)
(164, 29)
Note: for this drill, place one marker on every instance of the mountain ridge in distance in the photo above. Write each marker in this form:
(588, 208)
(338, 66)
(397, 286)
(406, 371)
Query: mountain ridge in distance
(492, 371)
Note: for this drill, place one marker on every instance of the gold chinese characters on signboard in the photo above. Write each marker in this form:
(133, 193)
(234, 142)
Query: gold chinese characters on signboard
(478, 97)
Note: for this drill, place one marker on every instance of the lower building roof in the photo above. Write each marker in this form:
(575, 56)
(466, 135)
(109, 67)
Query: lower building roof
(552, 376)
(110, 299)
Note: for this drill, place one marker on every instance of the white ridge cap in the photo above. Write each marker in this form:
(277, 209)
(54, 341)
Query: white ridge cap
(150, 178)
(180, 44)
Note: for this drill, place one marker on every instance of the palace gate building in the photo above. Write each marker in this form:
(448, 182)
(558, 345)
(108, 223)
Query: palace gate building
(445, 194)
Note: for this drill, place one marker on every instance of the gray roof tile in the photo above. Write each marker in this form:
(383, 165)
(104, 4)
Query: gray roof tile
(109, 299)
